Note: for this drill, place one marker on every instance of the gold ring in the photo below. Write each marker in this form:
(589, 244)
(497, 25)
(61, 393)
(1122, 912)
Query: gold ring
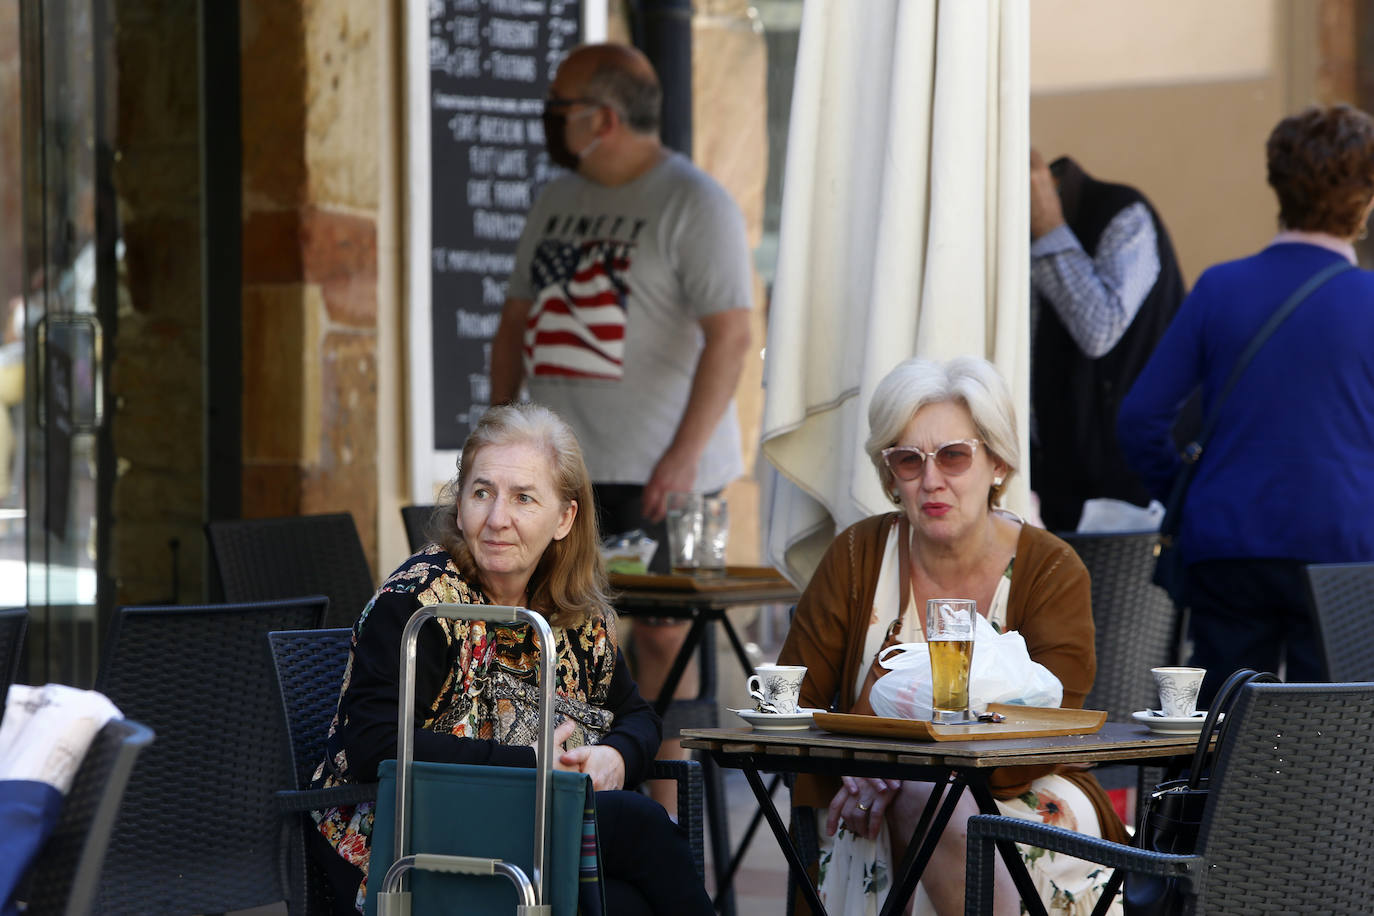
(863, 807)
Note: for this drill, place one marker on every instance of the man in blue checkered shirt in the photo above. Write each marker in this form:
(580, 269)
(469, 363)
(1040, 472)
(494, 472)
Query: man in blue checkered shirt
(1105, 283)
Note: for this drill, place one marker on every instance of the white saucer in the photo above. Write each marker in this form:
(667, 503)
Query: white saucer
(777, 721)
(1171, 725)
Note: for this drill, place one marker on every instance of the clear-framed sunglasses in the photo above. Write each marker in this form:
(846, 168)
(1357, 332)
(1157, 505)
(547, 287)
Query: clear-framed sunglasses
(908, 462)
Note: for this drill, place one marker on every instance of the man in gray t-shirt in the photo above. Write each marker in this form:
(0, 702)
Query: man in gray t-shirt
(628, 309)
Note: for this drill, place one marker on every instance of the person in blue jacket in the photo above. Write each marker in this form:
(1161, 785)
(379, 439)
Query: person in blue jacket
(1288, 476)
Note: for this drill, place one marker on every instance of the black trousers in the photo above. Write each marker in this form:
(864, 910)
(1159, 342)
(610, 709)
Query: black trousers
(1251, 613)
(646, 862)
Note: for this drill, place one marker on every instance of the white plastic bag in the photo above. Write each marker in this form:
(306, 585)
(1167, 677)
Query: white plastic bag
(1001, 672)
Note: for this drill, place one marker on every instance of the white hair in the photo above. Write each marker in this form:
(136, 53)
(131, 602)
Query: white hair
(968, 380)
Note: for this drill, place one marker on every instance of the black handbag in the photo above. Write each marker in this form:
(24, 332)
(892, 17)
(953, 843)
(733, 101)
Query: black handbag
(1170, 572)
(1173, 812)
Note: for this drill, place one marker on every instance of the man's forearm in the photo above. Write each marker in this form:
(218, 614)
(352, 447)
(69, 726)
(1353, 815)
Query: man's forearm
(717, 375)
(507, 364)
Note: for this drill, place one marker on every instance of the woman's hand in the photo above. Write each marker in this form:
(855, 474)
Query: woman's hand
(603, 764)
(561, 734)
(861, 803)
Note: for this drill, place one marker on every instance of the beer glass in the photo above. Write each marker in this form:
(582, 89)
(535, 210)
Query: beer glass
(949, 635)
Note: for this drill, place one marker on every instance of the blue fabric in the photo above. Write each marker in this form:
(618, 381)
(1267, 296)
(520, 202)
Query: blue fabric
(1289, 469)
(28, 813)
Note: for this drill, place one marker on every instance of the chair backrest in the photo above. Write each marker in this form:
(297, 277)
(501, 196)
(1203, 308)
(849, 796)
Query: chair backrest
(310, 668)
(266, 559)
(66, 873)
(1342, 601)
(198, 830)
(1136, 622)
(1292, 801)
(415, 519)
(14, 623)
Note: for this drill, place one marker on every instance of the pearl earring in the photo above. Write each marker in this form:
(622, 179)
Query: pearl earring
(996, 481)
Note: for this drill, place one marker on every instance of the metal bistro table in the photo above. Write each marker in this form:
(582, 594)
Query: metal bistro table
(951, 765)
(704, 601)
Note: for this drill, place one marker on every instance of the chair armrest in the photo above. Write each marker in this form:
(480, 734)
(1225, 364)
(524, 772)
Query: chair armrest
(288, 801)
(984, 830)
(691, 795)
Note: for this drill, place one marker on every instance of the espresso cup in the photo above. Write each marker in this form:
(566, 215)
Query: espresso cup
(1178, 689)
(777, 688)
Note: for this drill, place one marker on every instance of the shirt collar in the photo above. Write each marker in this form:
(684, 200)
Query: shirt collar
(1320, 239)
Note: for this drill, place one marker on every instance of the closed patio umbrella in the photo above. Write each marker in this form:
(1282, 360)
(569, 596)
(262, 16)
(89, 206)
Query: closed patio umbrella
(905, 232)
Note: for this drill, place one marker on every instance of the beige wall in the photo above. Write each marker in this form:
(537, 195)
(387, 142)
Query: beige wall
(1176, 98)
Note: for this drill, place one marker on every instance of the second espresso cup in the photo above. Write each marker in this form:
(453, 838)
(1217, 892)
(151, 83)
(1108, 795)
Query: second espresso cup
(1178, 689)
(777, 687)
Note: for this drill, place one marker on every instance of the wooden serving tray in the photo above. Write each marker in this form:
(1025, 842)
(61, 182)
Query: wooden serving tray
(735, 577)
(1021, 722)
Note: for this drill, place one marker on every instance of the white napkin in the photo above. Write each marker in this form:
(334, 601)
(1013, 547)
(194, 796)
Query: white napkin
(46, 731)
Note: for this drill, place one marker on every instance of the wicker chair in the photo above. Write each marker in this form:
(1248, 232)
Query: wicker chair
(1342, 601)
(14, 623)
(415, 519)
(1137, 624)
(66, 873)
(267, 559)
(310, 668)
(198, 828)
(1137, 628)
(1285, 825)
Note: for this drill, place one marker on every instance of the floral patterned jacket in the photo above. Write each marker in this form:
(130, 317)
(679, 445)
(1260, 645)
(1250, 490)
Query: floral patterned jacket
(476, 693)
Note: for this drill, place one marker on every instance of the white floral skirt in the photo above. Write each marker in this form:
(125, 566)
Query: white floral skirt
(856, 872)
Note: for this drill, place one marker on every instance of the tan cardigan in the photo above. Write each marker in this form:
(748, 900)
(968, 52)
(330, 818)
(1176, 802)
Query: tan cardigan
(1049, 604)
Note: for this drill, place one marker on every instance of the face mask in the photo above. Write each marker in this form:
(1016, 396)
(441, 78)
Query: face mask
(556, 140)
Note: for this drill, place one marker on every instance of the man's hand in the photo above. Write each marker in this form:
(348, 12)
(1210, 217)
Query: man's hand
(676, 471)
(603, 764)
(1046, 213)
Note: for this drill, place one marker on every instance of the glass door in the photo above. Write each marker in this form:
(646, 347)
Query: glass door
(69, 250)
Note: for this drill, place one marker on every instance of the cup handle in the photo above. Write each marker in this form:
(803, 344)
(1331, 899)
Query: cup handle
(754, 688)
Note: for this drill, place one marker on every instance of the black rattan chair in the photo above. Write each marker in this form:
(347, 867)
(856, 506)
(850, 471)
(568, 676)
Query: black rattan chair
(1284, 831)
(1342, 602)
(1137, 628)
(14, 623)
(66, 873)
(267, 559)
(416, 519)
(198, 830)
(309, 666)
(1137, 624)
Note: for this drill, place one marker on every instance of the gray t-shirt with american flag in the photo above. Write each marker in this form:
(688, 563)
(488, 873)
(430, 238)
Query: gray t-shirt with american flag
(619, 278)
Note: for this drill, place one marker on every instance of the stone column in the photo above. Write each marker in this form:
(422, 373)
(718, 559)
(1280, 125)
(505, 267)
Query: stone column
(310, 204)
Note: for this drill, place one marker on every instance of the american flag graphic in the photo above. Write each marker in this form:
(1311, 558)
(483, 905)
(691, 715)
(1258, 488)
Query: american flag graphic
(577, 325)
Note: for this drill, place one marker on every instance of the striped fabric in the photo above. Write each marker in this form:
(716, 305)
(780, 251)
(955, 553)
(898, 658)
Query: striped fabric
(576, 327)
(590, 899)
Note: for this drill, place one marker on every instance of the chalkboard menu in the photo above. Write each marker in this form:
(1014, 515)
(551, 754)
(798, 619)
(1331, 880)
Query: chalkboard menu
(490, 65)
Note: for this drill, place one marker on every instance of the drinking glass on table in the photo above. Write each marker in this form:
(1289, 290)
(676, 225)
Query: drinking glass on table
(698, 532)
(949, 636)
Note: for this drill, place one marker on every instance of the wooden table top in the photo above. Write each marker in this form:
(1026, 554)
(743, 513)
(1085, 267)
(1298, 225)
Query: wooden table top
(1115, 742)
(740, 585)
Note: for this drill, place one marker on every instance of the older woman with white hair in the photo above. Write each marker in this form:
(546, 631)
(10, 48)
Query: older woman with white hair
(943, 440)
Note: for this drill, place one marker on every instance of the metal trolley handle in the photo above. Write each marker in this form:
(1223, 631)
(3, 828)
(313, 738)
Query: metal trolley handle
(391, 899)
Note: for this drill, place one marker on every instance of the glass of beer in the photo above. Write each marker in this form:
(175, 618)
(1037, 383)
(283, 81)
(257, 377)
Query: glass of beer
(949, 634)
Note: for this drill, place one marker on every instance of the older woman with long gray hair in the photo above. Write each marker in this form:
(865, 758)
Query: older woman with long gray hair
(942, 438)
(515, 528)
